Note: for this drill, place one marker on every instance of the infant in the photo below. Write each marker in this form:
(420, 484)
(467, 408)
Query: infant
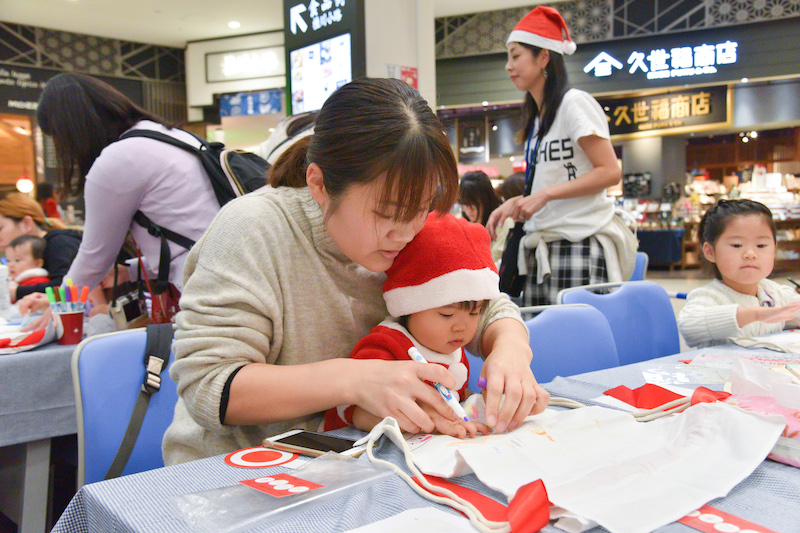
(25, 256)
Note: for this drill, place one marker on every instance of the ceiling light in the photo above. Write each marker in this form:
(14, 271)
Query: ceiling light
(24, 184)
(745, 139)
(745, 80)
(233, 25)
(753, 134)
(494, 128)
(511, 158)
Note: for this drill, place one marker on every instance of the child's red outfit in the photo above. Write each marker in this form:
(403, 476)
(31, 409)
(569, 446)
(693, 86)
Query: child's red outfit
(448, 262)
(32, 276)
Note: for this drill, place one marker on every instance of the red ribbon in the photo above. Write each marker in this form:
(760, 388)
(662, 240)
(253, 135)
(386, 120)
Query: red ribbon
(645, 397)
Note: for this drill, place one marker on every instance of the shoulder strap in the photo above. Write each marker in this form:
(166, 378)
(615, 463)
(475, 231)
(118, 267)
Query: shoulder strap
(165, 257)
(156, 358)
(163, 137)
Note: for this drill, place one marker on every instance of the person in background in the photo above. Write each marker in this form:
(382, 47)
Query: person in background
(25, 256)
(86, 117)
(287, 131)
(478, 199)
(264, 333)
(436, 291)
(22, 215)
(48, 197)
(512, 186)
(738, 240)
(572, 236)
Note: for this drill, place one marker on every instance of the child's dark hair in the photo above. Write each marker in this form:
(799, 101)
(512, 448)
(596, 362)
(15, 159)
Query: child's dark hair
(478, 305)
(719, 216)
(38, 244)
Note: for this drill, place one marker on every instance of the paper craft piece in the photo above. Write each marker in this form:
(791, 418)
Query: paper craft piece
(12, 340)
(710, 520)
(258, 457)
(281, 485)
(645, 397)
(601, 464)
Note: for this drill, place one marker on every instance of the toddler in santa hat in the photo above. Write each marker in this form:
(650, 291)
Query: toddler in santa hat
(436, 291)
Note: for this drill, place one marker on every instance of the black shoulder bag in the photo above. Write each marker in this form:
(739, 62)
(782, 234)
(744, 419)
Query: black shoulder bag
(511, 282)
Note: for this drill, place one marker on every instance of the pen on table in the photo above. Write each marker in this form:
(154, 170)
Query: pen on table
(444, 391)
(793, 282)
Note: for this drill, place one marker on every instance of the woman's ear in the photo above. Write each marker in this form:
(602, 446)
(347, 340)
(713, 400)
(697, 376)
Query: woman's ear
(543, 58)
(708, 252)
(28, 225)
(316, 184)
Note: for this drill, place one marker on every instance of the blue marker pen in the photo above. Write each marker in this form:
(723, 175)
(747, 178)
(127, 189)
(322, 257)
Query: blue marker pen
(444, 391)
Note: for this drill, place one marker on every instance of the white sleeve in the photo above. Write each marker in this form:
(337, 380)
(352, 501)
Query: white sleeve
(706, 319)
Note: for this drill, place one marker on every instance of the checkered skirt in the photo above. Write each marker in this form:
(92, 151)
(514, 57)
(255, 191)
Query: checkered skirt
(571, 264)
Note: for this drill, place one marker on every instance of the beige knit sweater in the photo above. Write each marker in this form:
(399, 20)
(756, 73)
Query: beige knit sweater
(266, 284)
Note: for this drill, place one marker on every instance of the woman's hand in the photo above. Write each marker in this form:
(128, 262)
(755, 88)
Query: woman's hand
(530, 205)
(398, 388)
(499, 215)
(507, 371)
(12, 291)
(34, 303)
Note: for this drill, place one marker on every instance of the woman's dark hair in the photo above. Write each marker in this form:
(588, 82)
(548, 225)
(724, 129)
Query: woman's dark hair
(84, 115)
(720, 215)
(512, 186)
(44, 190)
(369, 128)
(555, 86)
(477, 190)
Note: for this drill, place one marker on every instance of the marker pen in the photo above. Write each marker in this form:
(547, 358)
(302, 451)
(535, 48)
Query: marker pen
(444, 391)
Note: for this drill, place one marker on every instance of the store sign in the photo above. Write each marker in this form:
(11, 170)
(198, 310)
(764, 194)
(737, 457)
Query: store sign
(250, 103)
(690, 108)
(314, 15)
(245, 64)
(660, 63)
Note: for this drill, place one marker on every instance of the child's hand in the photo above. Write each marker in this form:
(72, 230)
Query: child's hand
(770, 315)
(455, 428)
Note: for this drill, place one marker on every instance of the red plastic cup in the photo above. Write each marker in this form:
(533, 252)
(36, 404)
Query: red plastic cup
(72, 325)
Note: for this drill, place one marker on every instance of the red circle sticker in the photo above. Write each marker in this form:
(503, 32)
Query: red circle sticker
(258, 457)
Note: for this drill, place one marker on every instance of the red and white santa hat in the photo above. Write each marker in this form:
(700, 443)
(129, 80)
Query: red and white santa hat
(449, 261)
(543, 27)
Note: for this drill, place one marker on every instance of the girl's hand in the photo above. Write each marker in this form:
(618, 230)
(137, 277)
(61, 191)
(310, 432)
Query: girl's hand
(34, 303)
(456, 428)
(397, 388)
(507, 371)
(499, 215)
(769, 315)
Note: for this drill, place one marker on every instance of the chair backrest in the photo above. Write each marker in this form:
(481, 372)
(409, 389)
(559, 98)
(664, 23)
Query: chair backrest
(640, 268)
(640, 314)
(565, 340)
(568, 340)
(107, 374)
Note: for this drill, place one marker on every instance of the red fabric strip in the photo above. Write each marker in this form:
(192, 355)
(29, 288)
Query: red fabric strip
(645, 397)
(710, 520)
(704, 395)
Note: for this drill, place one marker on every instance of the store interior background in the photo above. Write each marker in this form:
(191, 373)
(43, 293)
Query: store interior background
(671, 176)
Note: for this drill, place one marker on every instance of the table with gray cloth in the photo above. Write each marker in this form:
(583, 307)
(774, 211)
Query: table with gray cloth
(144, 502)
(36, 404)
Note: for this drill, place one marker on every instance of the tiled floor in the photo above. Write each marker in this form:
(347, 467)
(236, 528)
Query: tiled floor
(686, 280)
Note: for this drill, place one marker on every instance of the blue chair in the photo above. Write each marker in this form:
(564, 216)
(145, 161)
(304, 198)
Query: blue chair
(565, 340)
(107, 374)
(640, 315)
(640, 269)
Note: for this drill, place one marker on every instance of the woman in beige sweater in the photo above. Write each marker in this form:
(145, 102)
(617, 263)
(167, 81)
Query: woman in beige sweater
(287, 280)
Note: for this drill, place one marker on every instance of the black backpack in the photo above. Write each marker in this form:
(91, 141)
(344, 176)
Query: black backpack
(233, 173)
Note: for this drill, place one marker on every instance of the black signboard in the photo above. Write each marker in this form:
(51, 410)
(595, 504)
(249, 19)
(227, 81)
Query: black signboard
(324, 43)
(21, 87)
(676, 111)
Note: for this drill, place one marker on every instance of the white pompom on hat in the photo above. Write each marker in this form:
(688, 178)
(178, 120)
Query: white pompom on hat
(449, 261)
(543, 27)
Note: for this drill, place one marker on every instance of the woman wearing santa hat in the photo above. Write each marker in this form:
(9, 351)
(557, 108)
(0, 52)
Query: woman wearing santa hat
(571, 236)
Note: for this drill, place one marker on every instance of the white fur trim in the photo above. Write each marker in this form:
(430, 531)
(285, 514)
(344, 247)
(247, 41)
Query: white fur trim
(459, 370)
(463, 285)
(526, 37)
(31, 273)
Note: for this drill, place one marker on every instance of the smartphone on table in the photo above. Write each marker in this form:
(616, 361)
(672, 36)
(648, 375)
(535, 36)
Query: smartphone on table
(312, 443)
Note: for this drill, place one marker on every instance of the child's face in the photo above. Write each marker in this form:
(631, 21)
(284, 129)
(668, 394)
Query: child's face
(444, 329)
(20, 258)
(744, 253)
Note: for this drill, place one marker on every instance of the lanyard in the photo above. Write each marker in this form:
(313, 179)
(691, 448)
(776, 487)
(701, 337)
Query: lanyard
(530, 161)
